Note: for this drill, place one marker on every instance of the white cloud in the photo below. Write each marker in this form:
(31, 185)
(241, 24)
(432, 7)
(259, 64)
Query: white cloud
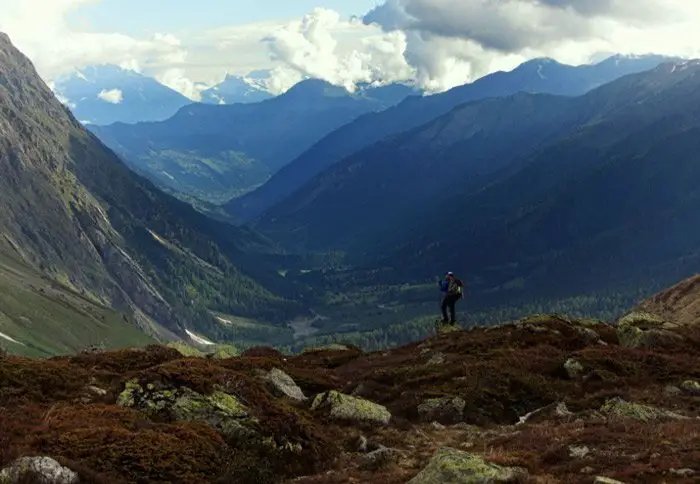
(176, 79)
(310, 47)
(112, 96)
(39, 29)
(440, 43)
(453, 41)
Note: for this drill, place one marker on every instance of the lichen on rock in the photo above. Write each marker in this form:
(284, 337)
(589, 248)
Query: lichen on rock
(43, 470)
(282, 384)
(451, 466)
(220, 410)
(619, 408)
(641, 330)
(691, 387)
(573, 368)
(346, 408)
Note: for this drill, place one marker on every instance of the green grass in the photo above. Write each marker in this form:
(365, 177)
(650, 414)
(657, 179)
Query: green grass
(48, 320)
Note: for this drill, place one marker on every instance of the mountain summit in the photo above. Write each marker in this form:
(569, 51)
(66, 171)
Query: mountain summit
(74, 212)
(107, 94)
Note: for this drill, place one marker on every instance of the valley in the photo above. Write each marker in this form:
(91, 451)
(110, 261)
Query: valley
(229, 234)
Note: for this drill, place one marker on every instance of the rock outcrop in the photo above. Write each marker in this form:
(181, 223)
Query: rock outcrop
(451, 466)
(221, 411)
(641, 330)
(338, 406)
(41, 470)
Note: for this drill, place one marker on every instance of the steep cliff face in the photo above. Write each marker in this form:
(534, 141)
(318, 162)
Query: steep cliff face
(73, 211)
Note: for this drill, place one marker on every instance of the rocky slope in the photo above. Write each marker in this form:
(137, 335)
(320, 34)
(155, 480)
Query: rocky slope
(680, 303)
(74, 213)
(543, 400)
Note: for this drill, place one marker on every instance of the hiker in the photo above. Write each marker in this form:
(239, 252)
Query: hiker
(452, 287)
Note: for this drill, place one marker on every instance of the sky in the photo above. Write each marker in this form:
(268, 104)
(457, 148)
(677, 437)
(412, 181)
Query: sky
(437, 44)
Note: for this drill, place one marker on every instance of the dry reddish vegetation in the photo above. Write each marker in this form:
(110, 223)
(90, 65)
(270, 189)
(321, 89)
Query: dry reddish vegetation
(46, 408)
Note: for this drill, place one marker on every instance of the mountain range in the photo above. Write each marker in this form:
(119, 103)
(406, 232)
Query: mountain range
(82, 233)
(238, 89)
(536, 76)
(214, 153)
(528, 195)
(107, 94)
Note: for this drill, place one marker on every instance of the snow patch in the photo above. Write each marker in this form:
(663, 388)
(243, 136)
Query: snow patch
(539, 71)
(168, 175)
(157, 237)
(225, 321)
(11, 340)
(198, 339)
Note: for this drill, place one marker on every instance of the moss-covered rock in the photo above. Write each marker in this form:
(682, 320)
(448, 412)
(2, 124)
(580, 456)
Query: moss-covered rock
(691, 387)
(619, 408)
(448, 410)
(574, 368)
(641, 330)
(451, 466)
(42, 470)
(338, 406)
(219, 410)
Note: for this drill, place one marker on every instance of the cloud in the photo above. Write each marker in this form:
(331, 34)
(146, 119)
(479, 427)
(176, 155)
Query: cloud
(437, 43)
(177, 80)
(112, 96)
(453, 41)
(310, 48)
(39, 29)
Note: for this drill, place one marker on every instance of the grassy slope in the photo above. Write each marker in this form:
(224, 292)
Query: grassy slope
(47, 319)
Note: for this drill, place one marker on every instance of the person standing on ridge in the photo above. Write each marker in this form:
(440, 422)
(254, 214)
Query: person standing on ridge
(452, 287)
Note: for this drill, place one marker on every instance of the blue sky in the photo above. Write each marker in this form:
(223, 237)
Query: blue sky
(139, 17)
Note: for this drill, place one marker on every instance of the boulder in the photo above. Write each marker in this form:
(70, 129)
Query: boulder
(220, 410)
(339, 406)
(451, 466)
(606, 480)
(448, 410)
(640, 330)
(282, 384)
(691, 387)
(573, 368)
(619, 408)
(379, 458)
(42, 470)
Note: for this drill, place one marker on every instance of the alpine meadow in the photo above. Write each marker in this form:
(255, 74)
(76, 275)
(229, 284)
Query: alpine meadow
(391, 242)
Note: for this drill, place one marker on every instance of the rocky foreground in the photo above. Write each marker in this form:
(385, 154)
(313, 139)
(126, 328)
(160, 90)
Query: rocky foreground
(543, 400)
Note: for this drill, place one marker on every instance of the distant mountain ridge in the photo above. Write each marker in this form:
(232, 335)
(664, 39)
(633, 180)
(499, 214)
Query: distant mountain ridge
(530, 195)
(238, 89)
(107, 94)
(537, 76)
(215, 153)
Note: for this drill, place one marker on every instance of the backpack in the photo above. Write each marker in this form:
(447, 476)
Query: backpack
(457, 287)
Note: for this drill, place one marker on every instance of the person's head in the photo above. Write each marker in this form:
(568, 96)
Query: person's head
(449, 275)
